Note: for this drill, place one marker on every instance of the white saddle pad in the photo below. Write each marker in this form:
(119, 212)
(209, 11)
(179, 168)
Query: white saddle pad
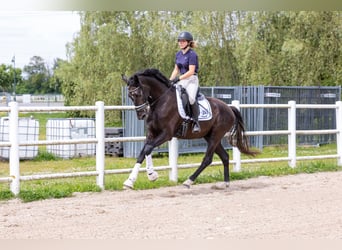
(204, 107)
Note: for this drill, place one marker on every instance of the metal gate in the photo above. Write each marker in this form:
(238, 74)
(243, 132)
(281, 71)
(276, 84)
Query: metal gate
(255, 119)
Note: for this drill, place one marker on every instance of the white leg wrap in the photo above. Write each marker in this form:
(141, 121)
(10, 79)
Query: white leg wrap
(135, 171)
(151, 174)
(149, 163)
(133, 176)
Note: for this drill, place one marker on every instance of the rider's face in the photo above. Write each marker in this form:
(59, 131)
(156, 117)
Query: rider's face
(182, 43)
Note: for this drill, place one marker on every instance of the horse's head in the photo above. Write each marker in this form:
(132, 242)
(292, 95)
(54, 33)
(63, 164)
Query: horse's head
(145, 89)
(137, 95)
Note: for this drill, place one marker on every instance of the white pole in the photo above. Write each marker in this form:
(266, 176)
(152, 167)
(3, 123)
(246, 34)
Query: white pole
(173, 156)
(292, 135)
(14, 149)
(100, 148)
(236, 151)
(339, 133)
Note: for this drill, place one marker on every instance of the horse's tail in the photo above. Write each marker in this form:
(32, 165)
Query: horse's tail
(237, 137)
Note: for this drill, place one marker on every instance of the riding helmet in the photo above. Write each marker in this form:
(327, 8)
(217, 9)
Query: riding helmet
(185, 36)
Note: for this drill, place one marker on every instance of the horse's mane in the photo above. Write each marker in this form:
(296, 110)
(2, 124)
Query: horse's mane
(156, 74)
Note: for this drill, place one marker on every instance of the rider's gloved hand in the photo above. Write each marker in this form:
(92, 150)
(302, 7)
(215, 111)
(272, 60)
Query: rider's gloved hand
(175, 80)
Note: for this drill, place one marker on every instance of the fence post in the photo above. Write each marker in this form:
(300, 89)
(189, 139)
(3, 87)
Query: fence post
(100, 147)
(173, 156)
(339, 132)
(14, 149)
(292, 135)
(236, 151)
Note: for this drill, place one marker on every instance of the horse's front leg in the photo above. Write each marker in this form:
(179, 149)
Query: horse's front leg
(151, 174)
(151, 143)
(146, 150)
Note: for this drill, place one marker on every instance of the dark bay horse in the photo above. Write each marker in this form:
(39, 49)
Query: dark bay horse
(154, 98)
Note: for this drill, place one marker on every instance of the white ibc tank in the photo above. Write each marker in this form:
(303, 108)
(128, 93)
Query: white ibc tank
(28, 131)
(71, 128)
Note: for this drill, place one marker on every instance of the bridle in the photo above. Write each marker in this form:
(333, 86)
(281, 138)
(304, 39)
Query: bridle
(142, 106)
(146, 103)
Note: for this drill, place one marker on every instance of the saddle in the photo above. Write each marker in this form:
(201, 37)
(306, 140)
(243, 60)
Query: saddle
(183, 105)
(184, 108)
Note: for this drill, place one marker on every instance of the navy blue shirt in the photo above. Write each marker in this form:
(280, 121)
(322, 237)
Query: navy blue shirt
(184, 60)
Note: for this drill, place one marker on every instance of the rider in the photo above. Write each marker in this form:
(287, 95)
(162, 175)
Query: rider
(185, 73)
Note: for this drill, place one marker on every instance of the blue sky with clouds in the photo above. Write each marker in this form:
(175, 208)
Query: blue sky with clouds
(25, 34)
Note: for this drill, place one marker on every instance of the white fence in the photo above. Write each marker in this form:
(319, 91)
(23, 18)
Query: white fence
(100, 140)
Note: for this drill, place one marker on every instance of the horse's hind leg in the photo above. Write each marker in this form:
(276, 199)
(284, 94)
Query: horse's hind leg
(208, 158)
(207, 161)
(224, 156)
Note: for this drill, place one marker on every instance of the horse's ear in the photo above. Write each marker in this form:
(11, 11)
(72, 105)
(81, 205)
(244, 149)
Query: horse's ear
(136, 79)
(124, 78)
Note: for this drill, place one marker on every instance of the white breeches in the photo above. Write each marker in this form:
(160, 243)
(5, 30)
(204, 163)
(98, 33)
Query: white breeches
(191, 85)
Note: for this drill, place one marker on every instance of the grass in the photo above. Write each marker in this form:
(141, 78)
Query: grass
(58, 188)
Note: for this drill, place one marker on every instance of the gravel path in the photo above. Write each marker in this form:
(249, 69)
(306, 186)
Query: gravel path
(304, 206)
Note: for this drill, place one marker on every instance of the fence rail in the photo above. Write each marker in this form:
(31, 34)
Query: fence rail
(100, 140)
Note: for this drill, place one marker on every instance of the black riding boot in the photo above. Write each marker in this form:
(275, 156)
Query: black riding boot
(195, 114)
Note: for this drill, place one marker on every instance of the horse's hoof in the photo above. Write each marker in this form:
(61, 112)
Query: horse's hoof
(128, 184)
(152, 176)
(220, 186)
(188, 183)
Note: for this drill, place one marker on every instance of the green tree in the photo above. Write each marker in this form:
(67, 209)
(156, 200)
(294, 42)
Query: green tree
(312, 49)
(37, 77)
(235, 48)
(215, 32)
(290, 48)
(114, 43)
(7, 75)
(55, 84)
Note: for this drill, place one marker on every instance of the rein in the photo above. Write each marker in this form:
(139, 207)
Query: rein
(142, 106)
(155, 101)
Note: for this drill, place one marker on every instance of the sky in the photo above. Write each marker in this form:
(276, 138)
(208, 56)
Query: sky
(24, 34)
